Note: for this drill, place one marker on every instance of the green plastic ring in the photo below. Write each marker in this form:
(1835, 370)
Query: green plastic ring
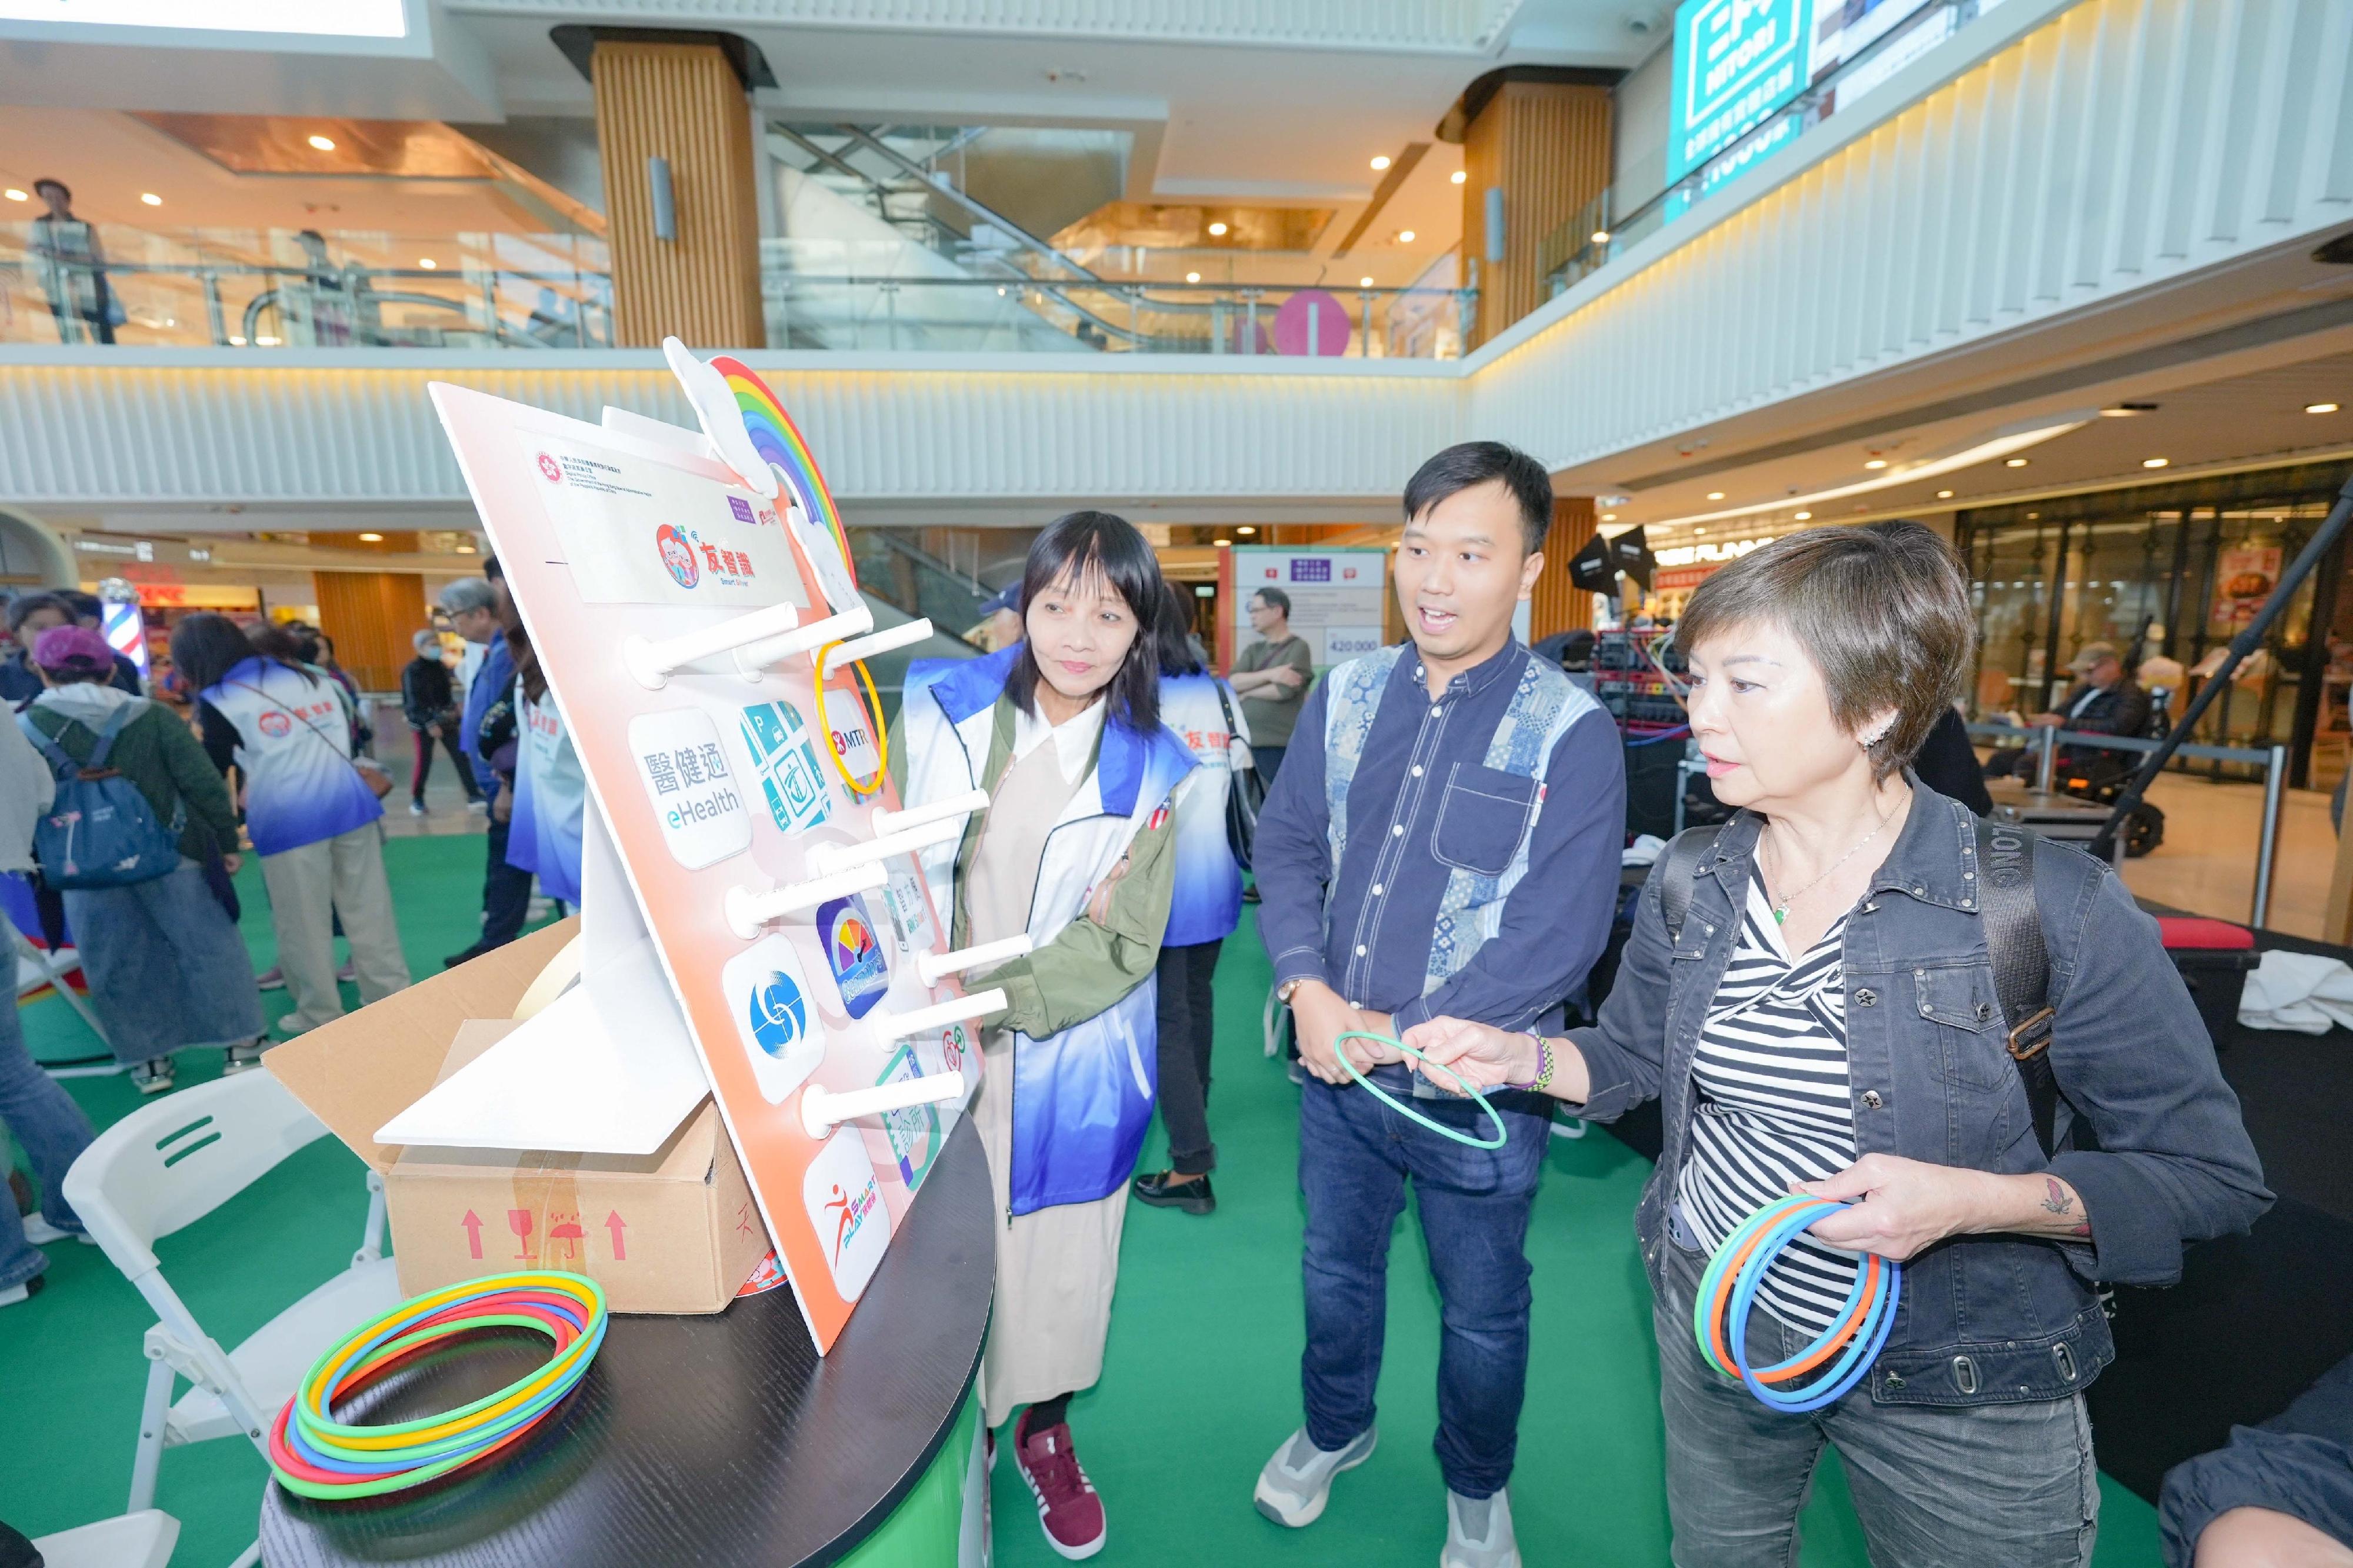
(1502, 1133)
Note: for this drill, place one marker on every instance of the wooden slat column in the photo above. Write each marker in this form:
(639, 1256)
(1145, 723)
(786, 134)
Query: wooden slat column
(684, 102)
(1547, 145)
(1557, 604)
(372, 615)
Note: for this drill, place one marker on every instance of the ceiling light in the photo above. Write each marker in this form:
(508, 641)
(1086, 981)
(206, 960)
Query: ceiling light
(1715, 494)
(1699, 531)
(1405, 236)
(2013, 463)
(1192, 278)
(1218, 228)
(465, 550)
(1382, 162)
(1459, 175)
(2127, 410)
(237, 342)
(323, 143)
(1245, 528)
(2154, 462)
(1609, 517)
(1363, 282)
(2308, 408)
(1223, 543)
(150, 198)
(1803, 516)
(1944, 495)
(1600, 236)
(1877, 463)
(371, 538)
(16, 196)
(266, 342)
(427, 263)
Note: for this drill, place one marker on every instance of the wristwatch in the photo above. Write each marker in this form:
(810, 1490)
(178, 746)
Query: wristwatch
(1282, 991)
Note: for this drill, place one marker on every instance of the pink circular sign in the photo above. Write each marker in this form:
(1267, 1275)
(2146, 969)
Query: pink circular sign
(1311, 322)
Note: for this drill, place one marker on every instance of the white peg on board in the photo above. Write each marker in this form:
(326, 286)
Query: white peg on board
(827, 860)
(913, 631)
(747, 911)
(822, 1109)
(889, 821)
(652, 662)
(932, 965)
(955, 1010)
(752, 657)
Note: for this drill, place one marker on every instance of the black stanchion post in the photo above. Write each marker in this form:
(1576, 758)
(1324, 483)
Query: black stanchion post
(2104, 846)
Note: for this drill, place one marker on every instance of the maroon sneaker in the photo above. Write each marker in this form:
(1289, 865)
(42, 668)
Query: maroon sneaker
(1068, 1512)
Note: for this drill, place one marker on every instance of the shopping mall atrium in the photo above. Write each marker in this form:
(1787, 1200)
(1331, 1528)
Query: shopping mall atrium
(388, 344)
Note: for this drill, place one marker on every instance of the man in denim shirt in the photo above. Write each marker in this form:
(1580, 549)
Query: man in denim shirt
(1443, 839)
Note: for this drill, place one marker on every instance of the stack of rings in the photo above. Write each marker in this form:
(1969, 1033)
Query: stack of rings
(873, 718)
(1463, 1085)
(318, 1456)
(1728, 1289)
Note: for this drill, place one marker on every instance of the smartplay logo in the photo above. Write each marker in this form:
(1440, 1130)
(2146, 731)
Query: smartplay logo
(677, 556)
(845, 1210)
(775, 1019)
(853, 955)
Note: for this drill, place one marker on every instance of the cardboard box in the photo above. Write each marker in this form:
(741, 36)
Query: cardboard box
(674, 1231)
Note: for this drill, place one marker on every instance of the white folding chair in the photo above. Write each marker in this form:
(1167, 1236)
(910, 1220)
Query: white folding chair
(129, 1541)
(168, 1164)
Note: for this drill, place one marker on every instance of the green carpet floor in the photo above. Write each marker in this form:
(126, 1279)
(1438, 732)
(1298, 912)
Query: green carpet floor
(1200, 1383)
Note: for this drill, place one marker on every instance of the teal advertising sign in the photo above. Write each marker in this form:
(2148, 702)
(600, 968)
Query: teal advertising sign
(1735, 62)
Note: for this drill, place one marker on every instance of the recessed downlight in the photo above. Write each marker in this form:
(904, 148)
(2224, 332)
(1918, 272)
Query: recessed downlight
(1405, 236)
(1803, 516)
(2154, 462)
(323, 143)
(1217, 229)
(1944, 495)
(1715, 494)
(1877, 463)
(2013, 462)
(1363, 282)
(1382, 162)
(371, 538)
(1192, 278)
(2308, 408)
(150, 198)
(16, 196)
(1459, 176)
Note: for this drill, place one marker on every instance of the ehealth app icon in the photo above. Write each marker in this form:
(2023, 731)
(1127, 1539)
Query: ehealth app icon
(775, 1016)
(854, 953)
(784, 759)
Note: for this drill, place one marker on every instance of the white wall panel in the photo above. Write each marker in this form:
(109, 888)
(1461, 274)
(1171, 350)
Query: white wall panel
(2122, 144)
(85, 435)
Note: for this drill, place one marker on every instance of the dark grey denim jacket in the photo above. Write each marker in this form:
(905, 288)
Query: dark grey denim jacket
(1984, 1318)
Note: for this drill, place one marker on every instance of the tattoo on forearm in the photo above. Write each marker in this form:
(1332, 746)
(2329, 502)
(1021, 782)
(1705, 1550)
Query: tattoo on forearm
(2059, 1200)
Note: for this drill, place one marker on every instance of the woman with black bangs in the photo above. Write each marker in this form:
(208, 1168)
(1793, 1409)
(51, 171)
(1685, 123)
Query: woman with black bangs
(1076, 850)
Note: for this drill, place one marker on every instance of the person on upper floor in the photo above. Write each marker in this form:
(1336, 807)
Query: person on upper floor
(1821, 995)
(312, 808)
(166, 968)
(1076, 849)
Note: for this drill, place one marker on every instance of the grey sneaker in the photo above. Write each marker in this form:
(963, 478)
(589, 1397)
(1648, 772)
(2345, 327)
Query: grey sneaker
(1479, 1534)
(244, 1058)
(1297, 1482)
(153, 1075)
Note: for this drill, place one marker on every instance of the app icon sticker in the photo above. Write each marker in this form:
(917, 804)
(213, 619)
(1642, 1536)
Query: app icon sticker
(775, 1016)
(845, 1208)
(854, 953)
(853, 736)
(684, 769)
(914, 1129)
(910, 906)
(785, 761)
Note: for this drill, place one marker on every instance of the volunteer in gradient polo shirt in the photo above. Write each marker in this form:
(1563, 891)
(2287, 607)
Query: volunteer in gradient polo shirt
(312, 818)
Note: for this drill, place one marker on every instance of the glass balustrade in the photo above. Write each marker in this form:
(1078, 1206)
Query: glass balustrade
(111, 284)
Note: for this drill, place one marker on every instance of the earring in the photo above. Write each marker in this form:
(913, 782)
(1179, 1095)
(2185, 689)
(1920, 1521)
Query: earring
(1876, 736)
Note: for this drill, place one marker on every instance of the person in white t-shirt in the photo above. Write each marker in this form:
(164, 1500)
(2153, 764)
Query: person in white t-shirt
(312, 813)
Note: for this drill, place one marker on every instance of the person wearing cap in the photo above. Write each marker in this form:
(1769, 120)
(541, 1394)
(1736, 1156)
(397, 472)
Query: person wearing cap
(1000, 621)
(167, 970)
(2104, 700)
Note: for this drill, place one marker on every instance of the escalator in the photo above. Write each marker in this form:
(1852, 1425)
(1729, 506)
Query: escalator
(900, 581)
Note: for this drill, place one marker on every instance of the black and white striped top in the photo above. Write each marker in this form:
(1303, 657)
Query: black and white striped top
(1771, 1071)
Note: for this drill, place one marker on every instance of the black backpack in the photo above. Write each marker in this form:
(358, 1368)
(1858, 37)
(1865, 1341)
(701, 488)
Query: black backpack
(2013, 927)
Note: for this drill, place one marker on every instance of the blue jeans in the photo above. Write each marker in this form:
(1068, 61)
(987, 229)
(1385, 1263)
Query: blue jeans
(1355, 1155)
(1935, 1486)
(52, 1129)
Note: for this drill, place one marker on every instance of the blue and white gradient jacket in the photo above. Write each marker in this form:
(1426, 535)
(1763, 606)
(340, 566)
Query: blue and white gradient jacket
(1081, 1098)
(1207, 904)
(294, 747)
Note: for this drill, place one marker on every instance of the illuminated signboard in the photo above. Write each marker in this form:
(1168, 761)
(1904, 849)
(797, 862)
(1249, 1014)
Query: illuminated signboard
(1735, 62)
(342, 18)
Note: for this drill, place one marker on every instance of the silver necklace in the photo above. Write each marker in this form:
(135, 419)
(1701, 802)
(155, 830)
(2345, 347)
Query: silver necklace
(1781, 906)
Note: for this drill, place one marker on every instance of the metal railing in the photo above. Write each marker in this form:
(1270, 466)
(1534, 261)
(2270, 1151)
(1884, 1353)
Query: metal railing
(2045, 741)
(272, 289)
(1602, 231)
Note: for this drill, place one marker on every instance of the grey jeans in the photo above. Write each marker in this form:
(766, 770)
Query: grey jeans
(1935, 1486)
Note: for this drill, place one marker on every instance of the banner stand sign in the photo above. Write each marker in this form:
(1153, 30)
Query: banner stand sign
(1339, 597)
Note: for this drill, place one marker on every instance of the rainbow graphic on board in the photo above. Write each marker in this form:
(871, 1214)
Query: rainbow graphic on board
(778, 441)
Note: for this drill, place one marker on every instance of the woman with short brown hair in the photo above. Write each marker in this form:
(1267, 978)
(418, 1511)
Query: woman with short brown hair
(1811, 996)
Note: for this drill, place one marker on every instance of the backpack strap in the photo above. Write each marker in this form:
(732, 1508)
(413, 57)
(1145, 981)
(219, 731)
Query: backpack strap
(60, 762)
(2021, 965)
(1688, 848)
(115, 721)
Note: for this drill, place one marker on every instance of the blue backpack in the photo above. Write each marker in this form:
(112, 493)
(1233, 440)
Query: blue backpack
(101, 832)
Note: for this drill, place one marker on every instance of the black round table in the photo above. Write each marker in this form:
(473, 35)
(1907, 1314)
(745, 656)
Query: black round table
(722, 1441)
